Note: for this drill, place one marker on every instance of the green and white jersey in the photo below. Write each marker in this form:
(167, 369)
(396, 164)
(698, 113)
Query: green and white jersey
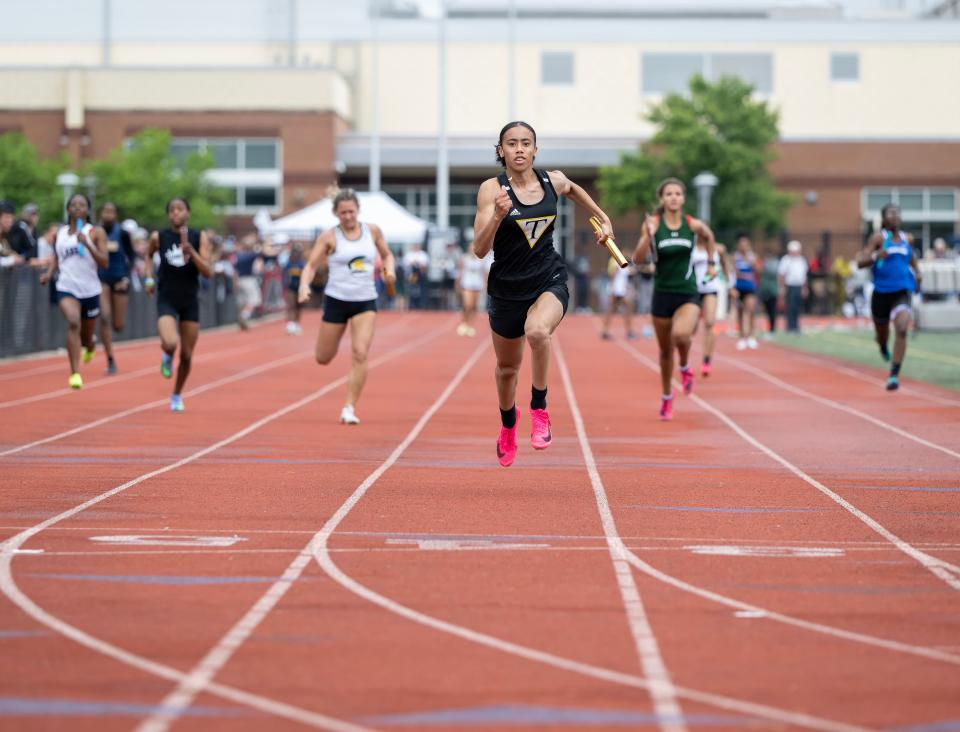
(675, 271)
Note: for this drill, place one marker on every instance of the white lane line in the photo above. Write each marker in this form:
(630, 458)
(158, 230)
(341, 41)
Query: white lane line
(756, 611)
(939, 567)
(161, 402)
(842, 407)
(108, 380)
(198, 679)
(856, 544)
(8, 550)
(662, 692)
(322, 553)
(762, 711)
(874, 380)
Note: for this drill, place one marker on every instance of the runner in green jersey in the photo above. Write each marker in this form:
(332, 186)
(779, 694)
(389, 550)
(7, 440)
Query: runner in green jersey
(676, 300)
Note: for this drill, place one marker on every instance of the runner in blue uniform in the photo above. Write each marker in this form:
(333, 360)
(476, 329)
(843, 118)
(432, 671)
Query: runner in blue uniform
(889, 254)
(115, 278)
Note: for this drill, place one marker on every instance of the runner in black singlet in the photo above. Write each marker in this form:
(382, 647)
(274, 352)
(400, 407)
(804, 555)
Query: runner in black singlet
(527, 286)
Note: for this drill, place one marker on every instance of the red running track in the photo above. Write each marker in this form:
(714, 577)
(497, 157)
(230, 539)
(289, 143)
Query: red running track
(783, 555)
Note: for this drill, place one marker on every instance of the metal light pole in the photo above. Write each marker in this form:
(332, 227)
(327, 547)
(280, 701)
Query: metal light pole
(374, 173)
(68, 182)
(704, 183)
(512, 59)
(443, 161)
(292, 33)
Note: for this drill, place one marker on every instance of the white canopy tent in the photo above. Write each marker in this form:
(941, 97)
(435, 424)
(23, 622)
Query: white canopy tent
(399, 225)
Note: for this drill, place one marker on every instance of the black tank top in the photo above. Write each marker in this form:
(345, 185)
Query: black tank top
(524, 260)
(178, 276)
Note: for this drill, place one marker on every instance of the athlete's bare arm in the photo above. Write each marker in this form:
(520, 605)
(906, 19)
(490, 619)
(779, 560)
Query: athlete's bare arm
(96, 241)
(202, 258)
(914, 263)
(322, 249)
(566, 187)
(149, 283)
(874, 246)
(703, 231)
(647, 232)
(493, 206)
(389, 263)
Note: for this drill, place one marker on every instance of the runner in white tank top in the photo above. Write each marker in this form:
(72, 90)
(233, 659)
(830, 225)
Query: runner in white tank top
(709, 290)
(350, 276)
(471, 281)
(80, 249)
(620, 294)
(349, 251)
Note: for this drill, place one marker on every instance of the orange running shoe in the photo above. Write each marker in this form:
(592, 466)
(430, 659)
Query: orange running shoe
(540, 435)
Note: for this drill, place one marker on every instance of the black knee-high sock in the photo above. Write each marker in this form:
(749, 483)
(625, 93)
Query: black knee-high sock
(538, 398)
(508, 417)
(895, 369)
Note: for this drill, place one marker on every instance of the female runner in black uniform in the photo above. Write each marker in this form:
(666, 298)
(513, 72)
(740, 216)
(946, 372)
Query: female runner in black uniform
(527, 286)
(184, 256)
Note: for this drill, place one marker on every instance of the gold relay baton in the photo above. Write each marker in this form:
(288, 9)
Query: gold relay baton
(391, 288)
(611, 244)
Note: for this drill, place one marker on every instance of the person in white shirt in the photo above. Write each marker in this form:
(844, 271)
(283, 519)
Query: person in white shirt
(792, 277)
(416, 262)
(80, 249)
(348, 253)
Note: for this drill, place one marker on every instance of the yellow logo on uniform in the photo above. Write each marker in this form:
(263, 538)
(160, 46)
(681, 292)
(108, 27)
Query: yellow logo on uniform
(533, 229)
(357, 265)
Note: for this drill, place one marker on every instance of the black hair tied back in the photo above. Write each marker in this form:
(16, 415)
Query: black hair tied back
(516, 123)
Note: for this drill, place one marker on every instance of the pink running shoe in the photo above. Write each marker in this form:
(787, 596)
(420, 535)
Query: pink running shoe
(666, 408)
(507, 444)
(540, 435)
(706, 370)
(687, 378)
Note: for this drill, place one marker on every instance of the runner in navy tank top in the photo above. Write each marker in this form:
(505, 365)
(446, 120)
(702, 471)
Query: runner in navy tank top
(115, 278)
(896, 276)
(527, 286)
(184, 256)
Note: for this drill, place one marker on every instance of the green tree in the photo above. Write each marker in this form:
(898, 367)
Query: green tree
(25, 178)
(141, 175)
(719, 128)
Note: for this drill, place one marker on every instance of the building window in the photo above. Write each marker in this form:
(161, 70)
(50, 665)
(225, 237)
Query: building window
(249, 168)
(926, 212)
(754, 68)
(845, 67)
(556, 67)
(941, 201)
(260, 155)
(255, 197)
(226, 153)
(666, 73)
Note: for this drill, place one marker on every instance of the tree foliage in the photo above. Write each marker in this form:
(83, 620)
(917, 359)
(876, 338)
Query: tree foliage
(141, 175)
(719, 128)
(25, 178)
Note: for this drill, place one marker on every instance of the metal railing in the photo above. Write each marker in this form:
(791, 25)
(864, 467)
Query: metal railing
(30, 320)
